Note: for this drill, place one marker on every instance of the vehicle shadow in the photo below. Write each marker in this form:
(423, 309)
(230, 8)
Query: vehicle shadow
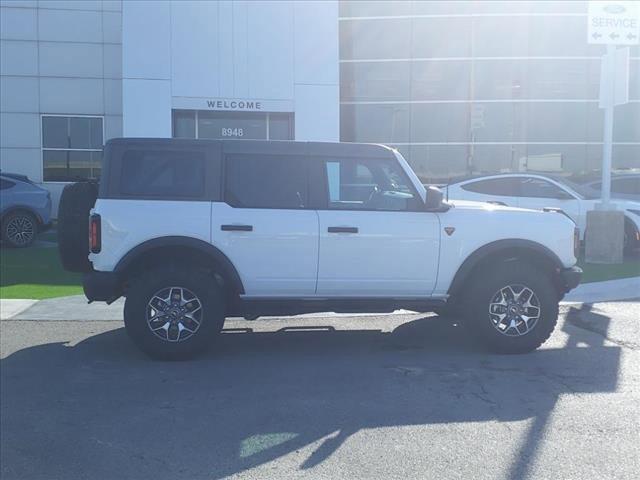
(100, 409)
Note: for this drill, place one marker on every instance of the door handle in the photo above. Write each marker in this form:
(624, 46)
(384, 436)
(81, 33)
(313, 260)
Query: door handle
(236, 228)
(342, 229)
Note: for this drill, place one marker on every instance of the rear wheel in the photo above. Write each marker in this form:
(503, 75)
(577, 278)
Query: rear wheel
(174, 313)
(19, 229)
(513, 308)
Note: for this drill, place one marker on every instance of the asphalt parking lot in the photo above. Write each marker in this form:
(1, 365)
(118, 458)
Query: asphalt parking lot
(403, 396)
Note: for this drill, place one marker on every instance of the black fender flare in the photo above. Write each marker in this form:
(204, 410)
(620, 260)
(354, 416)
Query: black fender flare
(483, 252)
(185, 242)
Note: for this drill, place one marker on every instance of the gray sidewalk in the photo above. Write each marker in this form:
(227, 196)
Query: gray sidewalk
(74, 308)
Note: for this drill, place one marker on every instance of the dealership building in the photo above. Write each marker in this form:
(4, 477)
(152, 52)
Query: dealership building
(458, 87)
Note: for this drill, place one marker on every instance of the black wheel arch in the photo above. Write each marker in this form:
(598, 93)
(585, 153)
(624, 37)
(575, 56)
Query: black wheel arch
(505, 250)
(21, 208)
(191, 249)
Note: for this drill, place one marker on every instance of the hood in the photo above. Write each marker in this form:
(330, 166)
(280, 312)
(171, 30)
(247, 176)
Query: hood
(489, 207)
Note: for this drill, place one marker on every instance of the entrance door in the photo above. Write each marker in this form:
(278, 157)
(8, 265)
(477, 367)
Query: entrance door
(375, 237)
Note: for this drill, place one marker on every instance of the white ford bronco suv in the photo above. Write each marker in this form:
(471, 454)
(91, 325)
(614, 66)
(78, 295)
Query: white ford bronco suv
(193, 231)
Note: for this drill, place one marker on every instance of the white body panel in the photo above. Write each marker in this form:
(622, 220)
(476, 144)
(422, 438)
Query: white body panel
(128, 223)
(290, 253)
(392, 254)
(279, 257)
(572, 207)
(478, 224)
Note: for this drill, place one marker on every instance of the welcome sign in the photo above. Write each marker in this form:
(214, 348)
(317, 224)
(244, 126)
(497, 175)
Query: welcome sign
(232, 104)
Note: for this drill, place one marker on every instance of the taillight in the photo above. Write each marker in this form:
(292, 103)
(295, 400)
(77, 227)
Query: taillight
(95, 233)
(576, 242)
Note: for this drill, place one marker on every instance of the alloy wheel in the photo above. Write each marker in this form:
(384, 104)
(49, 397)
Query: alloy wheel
(174, 314)
(20, 230)
(514, 310)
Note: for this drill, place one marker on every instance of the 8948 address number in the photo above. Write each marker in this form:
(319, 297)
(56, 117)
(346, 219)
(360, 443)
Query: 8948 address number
(232, 132)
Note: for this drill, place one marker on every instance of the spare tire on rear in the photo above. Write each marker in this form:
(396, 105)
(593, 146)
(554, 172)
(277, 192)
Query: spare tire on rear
(73, 225)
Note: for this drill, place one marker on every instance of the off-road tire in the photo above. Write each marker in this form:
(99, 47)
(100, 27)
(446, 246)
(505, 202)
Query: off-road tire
(142, 290)
(73, 225)
(481, 290)
(27, 220)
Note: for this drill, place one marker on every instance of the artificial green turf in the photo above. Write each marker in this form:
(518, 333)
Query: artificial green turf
(35, 272)
(594, 272)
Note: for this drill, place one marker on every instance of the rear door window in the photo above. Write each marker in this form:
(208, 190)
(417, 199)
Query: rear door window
(266, 181)
(163, 174)
(539, 188)
(506, 187)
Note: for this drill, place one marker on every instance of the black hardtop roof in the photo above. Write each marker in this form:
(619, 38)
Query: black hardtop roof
(267, 147)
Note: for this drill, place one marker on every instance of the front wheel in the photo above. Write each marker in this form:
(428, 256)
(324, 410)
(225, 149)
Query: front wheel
(513, 308)
(174, 313)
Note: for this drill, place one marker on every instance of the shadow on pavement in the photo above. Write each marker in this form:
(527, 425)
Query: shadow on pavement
(102, 410)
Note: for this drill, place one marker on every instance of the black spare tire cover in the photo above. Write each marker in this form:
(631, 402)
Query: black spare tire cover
(73, 225)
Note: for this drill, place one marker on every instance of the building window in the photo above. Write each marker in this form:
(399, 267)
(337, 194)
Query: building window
(71, 148)
(232, 125)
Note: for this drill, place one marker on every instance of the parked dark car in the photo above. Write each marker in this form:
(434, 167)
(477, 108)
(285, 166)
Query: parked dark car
(25, 209)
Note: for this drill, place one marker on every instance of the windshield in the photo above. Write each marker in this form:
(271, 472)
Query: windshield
(422, 191)
(582, 191)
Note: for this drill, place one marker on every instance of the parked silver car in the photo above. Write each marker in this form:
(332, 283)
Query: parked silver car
(25, 210)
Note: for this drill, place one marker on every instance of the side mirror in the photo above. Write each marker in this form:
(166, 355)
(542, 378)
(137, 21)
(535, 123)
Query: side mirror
(434, 198)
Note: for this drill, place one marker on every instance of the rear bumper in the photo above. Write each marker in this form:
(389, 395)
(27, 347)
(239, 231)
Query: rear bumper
(101, 286)
(570, 278)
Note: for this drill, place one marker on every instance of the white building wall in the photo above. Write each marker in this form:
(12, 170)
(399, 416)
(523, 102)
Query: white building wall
(317, 82)
(56, 57)
(281, 53)
(67, 58)
(146, 67)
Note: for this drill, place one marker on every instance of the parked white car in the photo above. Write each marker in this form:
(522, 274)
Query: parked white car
(193, 231)
(534, 191)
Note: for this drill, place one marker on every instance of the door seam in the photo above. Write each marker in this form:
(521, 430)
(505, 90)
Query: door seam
(318, 255)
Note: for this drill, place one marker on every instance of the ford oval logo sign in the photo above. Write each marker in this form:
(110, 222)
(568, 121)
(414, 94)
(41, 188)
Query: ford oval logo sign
(614, 9)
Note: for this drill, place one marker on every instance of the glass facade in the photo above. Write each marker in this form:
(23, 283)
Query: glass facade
(232, 125)
(479, 86)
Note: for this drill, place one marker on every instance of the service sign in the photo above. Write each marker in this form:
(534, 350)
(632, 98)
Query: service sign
(614, 23)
